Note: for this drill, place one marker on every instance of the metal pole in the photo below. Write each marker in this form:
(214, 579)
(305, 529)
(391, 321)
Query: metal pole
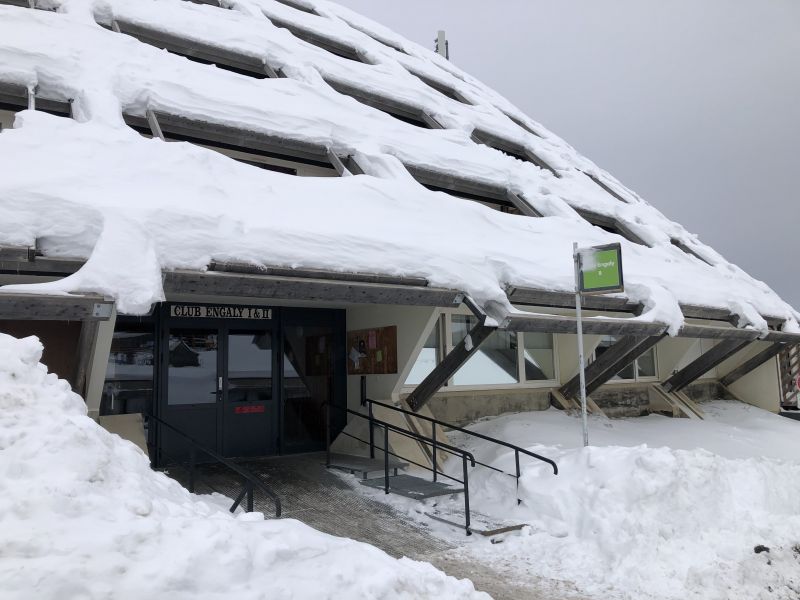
(466, 494)
(577, 259)
(386, 457)
(435, 474)
(371, 432)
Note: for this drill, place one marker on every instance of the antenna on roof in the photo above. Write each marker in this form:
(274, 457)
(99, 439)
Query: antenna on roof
(442, 45)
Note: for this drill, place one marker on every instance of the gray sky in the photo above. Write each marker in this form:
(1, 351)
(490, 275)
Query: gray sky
(695, 104)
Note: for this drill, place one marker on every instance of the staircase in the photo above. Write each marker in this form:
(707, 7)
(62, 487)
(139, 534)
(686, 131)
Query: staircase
(384, 472)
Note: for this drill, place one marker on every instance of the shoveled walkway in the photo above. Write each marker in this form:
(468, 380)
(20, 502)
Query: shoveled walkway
(322, 499)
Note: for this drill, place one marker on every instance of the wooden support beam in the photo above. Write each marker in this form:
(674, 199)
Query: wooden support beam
(695, 369)
(752, 363)
(449, 365)
(593, 326)
(457, 183)
(233, 60)
(86, 345)
(522, 205)
(236, 138)
(234, 267)
(40, 307)
(338, 164)
(611, 362)
(294, 288)
(17, 253)
(556, 299)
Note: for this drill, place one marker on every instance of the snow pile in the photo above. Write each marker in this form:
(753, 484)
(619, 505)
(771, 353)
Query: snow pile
(83, 516)
(94, 188)
(650, 522)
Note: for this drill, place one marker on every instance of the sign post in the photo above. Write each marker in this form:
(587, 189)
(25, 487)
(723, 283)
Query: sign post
(598, 270)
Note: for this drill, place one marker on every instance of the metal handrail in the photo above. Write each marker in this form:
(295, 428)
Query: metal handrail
(516, 449)
(251, 480)
(466, 456)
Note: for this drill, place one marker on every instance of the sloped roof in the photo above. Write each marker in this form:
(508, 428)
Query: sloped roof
(93, 187)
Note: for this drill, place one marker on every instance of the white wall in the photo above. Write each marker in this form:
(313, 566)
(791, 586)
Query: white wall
(412, 324)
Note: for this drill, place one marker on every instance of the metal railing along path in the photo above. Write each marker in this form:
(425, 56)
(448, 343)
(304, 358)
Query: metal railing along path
(250, 481)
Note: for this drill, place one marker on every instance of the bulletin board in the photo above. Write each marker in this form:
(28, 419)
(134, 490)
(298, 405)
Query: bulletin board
(372, 351)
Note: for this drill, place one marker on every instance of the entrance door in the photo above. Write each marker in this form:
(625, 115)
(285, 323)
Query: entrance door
(219, 391)
(192, 360)
(248, 405)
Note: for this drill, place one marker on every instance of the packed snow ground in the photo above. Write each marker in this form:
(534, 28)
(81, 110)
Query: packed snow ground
(82, 515)
(657, 508)
(135, 206)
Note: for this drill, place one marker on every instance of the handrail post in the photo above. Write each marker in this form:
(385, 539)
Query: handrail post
(386, 458)
(435, 474)
(371, 431)
(516, 460)
(466, 493)
(192, 462)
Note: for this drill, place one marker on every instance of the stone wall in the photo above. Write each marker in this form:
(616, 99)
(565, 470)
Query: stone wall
(623, 401)
(463, 407)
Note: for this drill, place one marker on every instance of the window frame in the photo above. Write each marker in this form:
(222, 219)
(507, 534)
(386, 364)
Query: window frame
(635, 363)
(445, 323)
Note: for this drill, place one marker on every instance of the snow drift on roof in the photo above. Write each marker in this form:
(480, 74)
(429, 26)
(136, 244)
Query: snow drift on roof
(94, 188)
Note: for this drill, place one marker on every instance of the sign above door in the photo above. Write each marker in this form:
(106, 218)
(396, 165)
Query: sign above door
(194, 311)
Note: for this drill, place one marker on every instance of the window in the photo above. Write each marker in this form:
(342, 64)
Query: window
(695, 351)
(511, 149)
(539, 357)
(315, 39)
(609, 224)
(505, 358)
(428, 358)
(129, 373)
(643, 367)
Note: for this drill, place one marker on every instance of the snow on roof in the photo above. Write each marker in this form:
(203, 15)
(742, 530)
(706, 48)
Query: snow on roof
(93, 187)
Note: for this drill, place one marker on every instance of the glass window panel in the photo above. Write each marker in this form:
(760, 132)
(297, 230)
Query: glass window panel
(495, 363)
(539, 357)
(627, 372)
(249, 366)
(192, 377)
(646, 364)
(427, 360)
(129, 372)
(307, 383)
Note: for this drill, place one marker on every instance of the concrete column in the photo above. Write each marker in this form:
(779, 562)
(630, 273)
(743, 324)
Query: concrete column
(98, 364)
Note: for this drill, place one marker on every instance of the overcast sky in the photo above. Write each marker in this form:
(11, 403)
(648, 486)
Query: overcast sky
(695, 104)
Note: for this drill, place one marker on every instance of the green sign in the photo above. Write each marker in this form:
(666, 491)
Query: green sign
(601, 269)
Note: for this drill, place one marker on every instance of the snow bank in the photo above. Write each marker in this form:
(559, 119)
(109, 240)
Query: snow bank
(651, 522)
(82, 515)
(96, 189)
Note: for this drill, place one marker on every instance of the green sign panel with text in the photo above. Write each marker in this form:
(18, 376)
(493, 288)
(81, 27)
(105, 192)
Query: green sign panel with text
(601, 269)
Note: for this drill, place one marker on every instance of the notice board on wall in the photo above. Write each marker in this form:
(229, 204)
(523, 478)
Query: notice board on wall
(372, 351)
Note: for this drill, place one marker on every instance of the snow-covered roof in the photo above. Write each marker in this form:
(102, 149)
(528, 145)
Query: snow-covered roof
(93, 187)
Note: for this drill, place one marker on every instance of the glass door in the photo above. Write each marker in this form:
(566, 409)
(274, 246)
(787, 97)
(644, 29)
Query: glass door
(192, 389)
(248, 406)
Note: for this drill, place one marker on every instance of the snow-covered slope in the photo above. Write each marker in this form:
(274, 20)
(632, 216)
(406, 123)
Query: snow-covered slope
(82, 515)
(94, 188)
(658, 508)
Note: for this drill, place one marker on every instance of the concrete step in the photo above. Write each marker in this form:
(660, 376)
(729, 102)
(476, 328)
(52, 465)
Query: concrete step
(364, 465)
(413, 487)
